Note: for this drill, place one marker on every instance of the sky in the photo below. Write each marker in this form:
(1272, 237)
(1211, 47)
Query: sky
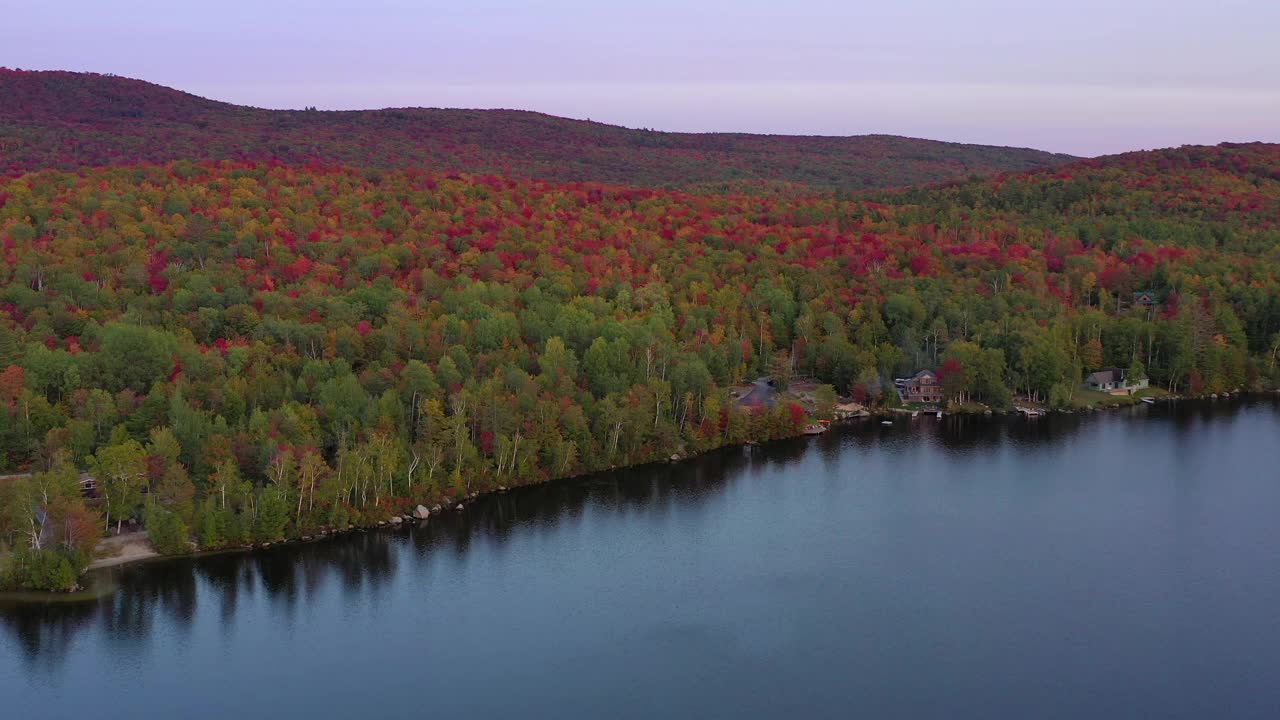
(1087, 77)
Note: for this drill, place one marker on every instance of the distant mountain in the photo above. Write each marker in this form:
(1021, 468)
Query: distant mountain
(66, 120)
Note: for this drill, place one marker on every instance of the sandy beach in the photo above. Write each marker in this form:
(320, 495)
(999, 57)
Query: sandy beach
(122, 549)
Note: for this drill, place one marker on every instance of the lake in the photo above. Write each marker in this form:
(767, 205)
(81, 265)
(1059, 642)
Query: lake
(1114, 565)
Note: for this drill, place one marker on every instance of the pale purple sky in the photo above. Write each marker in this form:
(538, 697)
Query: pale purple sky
(1086, 77)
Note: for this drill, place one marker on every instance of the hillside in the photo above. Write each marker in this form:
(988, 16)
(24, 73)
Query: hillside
(272, 350)
(66, 120)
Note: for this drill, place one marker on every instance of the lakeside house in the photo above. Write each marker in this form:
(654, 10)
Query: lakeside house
(1114, 381)
(923, 387)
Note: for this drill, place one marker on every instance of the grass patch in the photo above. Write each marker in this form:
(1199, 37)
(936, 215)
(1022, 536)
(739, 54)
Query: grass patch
(1082, 399)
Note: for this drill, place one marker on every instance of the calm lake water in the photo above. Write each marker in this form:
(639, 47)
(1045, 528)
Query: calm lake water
(1121, 565)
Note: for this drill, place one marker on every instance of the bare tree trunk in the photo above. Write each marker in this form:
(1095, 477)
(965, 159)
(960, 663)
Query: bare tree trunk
(761, 353)
(617, 431)
(417, 458)
(515, 451)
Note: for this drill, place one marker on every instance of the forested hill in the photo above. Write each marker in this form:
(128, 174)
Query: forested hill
(247, 351)
(66, 120)
(1193, 180)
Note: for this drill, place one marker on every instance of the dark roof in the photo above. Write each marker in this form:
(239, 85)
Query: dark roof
(926, 373)
(1105, 376)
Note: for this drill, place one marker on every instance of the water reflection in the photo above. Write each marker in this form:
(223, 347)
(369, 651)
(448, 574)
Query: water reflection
(44, 634)
(127, 617)
(174, 592)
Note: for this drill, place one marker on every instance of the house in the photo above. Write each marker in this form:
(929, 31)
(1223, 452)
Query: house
(1144, 297)
(923, 387)
(1114, 382)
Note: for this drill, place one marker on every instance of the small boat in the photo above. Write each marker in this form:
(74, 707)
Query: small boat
(814, 429)
(886, 422)
(1149, 401)
(939, 414)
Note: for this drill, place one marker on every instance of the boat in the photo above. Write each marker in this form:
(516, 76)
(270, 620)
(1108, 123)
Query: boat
(1149, 401)
(939, 414)
(886, 422)
(814, 429)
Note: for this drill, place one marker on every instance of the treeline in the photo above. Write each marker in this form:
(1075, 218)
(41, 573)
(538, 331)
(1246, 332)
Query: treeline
(246, 352)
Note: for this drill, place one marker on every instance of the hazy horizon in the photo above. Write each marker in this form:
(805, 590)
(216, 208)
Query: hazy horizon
(1089, 79)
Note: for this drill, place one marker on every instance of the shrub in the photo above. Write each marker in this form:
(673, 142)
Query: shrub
(167, 531)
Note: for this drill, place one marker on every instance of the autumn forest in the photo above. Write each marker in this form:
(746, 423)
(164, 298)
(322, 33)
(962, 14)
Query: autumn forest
(247, 344)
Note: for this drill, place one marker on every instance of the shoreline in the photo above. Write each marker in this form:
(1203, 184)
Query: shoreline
(1119, 402)
(135, 548)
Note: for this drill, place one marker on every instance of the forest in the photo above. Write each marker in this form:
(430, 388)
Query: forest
(245, 351)
(66, 120)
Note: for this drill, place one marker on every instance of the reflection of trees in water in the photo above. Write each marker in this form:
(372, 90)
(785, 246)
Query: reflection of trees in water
(287, 574)
(45, 633)
(224, 577)
(167, 591)
(364, 560)
(772, 455)
(651, 488)
(146, 592)
(1191, 416)
(966, 434)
